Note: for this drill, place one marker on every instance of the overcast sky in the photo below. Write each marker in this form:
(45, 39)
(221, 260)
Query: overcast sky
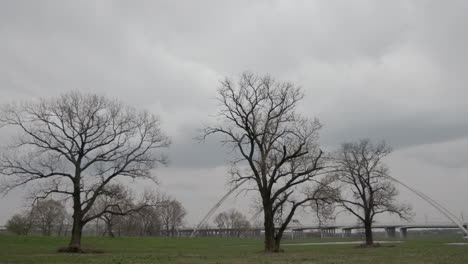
(387, 70)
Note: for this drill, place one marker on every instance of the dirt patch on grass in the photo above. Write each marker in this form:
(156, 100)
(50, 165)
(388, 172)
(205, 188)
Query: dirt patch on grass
(79, 250)
(375, 245)
(279, 251)
(342, 243)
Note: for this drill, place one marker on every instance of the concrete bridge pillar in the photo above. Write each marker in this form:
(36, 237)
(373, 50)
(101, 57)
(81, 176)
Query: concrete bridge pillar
(347, 232)
(403, 232)
(390, 232)
(297, 234)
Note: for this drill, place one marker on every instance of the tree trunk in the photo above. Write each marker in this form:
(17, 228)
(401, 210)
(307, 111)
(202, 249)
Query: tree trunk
(270, 245)
(60, 229)
(277, 244)
(368, 231)
(75, 242)
(49, 229)
(109, 229)
(279, 236)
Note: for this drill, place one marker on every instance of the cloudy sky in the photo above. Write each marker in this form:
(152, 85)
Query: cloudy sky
(392, 70)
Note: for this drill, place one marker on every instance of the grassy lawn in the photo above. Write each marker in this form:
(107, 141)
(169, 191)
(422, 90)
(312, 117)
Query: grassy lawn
(29, 249)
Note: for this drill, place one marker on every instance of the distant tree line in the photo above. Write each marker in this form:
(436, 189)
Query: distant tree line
(234, 220)
(165, 219)
(49, 217)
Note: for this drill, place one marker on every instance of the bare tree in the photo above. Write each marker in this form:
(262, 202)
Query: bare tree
(222, 220)
(232, 219)
(172, 214)
(20, 224)
(324, 209)
(276, 148)
(119, 202)
(365, 188)
(147, 221)
(47, 215)
(75, 145)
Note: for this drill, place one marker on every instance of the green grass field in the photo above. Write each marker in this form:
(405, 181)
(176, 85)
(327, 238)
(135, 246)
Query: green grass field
(30, 249)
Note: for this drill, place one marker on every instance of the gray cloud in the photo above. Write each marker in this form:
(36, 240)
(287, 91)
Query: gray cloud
(393, 70)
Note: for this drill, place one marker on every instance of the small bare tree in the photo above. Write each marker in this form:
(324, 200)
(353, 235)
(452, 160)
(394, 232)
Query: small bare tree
(116, 202)
(47, 215)
(222, 220)
(232, 219)
(365, 188)
(324, 209)
(277, 148)
(147, 221)
(119, 202)
(20, 224)
(172, 214)
(75, 145)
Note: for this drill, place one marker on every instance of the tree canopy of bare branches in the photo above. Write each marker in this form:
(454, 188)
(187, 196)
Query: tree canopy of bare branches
(47, 215)
(172, 214)
(234, 220)
(276, 148)
(119, 201)
(365, 189)
(75, 145)
(20, 224)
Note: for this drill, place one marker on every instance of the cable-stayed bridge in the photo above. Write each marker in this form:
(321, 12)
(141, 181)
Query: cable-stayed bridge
(344, 230)
(390, 229)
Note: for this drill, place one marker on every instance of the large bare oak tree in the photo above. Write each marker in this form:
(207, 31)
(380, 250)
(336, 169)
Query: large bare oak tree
(75, 146)
(276, 148)
(365, 189)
